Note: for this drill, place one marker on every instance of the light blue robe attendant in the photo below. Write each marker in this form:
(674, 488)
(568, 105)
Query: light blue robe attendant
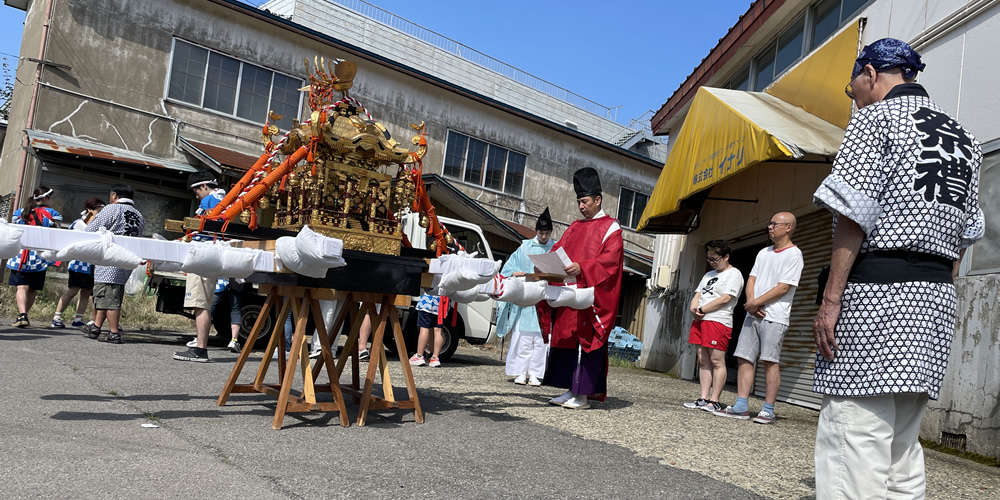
(527, 349)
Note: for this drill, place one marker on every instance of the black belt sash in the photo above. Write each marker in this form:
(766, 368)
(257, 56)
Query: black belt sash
(900, 266)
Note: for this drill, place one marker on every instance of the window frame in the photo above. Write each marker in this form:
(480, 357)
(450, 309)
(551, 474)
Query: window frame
(806, 18)
(204, 82)
(486, 153)
(965, 267)
(635, 192)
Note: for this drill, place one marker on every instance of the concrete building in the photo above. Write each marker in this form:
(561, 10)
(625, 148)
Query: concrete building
(147, 91)
(793, 58)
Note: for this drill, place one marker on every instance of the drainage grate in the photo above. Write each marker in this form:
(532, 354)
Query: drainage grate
(955, 441)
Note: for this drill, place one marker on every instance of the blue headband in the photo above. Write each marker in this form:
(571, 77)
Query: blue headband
(889, 53)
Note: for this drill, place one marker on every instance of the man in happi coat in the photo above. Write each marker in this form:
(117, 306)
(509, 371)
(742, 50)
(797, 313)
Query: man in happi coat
(578, 339)
(526, 357)
(904, 190)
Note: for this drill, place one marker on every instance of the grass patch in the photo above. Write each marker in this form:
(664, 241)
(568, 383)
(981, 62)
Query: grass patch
(975, 457)
(113, 393)
(138, 311)
(151, 417)
(621, 363)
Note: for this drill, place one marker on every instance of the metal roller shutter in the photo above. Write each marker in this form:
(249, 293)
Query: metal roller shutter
(798, 353)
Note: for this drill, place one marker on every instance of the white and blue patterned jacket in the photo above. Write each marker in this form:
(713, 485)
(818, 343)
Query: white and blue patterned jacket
(28, 261)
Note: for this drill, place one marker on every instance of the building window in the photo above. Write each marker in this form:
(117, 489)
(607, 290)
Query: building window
(483, 164)
(985, 258)
(829, 15)
(211, 80)
(790, 47)
(630, 206)
(742, 80)
(802, 35)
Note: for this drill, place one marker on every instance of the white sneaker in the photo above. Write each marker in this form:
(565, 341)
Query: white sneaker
(521, 380)
(577, 403)
(193, 342)
(234, 346)
(315, 354)
(562, 399)
(534, 382)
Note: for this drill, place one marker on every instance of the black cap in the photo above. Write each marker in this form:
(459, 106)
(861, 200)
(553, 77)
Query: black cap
(586, 182)
(544, 222)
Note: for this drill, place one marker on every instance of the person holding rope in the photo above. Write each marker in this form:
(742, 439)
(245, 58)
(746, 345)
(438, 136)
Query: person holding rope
(206, 294)
(81, 274)
(123, 219)
(526, 357)
(27, 270)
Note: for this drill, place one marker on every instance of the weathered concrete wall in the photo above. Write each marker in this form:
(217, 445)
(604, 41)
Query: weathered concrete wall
(664, 342)
(970, 396)
(12, 156)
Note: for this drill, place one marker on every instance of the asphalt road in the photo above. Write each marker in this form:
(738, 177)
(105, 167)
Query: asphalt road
(74, 409)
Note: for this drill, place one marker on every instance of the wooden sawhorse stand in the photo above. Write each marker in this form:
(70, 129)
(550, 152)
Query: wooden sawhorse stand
(304, 301)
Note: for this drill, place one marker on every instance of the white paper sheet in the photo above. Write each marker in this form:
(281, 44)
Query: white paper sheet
(552, 262)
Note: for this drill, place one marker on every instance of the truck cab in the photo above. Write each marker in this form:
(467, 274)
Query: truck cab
(473, 321)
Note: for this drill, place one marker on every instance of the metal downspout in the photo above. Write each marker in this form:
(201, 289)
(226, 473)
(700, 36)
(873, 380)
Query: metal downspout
(34, 101)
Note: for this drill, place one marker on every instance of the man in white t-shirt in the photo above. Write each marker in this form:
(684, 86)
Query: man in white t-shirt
(770, 290)
(712, 308)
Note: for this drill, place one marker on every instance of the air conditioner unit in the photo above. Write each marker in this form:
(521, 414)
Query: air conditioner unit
(664, 277)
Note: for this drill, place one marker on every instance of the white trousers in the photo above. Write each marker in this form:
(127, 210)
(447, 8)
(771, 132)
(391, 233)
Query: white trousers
(869, 448)
(527, 353)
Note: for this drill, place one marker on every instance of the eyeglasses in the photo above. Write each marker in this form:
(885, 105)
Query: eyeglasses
(849, 91)
(712, 261)
(773, 224)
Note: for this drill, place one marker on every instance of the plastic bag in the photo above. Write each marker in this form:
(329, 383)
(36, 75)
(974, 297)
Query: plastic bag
(136, 281)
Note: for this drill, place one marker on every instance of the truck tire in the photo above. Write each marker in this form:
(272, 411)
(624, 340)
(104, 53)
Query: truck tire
(451, 335)
(250, 310)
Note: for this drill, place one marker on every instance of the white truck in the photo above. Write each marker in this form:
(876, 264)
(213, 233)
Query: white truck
(474, 322)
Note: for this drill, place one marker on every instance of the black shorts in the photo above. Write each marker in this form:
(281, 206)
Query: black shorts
(428, 320)
(83, 281)
(34, 280)
(230, 300)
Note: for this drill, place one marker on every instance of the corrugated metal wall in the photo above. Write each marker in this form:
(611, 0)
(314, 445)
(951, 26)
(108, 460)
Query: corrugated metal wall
(632, 305)
(798, 353)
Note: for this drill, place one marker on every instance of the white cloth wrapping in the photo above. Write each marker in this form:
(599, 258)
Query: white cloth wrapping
(569, 296)
(462, 271)
(219, 261)
(10, 240)
(102, 252)
(310, 253)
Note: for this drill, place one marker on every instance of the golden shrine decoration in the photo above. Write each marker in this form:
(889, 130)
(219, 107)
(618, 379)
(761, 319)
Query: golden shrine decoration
(342, 190)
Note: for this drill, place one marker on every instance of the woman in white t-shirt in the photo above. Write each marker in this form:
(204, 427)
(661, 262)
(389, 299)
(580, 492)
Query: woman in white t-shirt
(712, 308)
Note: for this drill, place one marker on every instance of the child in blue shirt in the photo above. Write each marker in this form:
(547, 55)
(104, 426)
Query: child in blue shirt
(27, 269)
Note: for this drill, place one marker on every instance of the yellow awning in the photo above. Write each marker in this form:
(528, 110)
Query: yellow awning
(727, 131)
(817, 83)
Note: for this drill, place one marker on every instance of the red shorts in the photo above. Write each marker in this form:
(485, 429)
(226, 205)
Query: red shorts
(711, 334)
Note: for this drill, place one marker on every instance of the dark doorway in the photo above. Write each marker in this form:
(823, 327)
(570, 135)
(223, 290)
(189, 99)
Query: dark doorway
(743, 259)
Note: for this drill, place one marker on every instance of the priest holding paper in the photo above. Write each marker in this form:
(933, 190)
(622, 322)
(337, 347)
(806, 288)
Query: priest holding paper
(578, 350)
(526, 357)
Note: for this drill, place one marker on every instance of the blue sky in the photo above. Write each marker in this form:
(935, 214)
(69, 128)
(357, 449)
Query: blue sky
(631, 53)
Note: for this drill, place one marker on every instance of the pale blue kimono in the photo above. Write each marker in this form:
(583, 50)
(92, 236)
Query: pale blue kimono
(507, 313)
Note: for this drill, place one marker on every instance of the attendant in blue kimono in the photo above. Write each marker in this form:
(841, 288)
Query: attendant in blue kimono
(526, 357)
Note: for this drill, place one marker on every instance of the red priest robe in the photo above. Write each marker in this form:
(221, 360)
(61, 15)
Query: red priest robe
(595, 244)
